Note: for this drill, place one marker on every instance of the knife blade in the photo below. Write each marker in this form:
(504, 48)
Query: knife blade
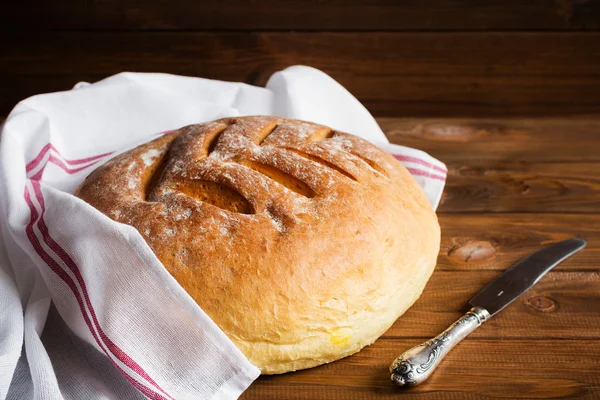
(415, 365)
(516, 280)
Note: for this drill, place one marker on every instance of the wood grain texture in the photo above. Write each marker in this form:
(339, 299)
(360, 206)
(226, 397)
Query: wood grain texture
(306, 15)
(520, 186)
(493, 242)
(510, 165)
(477, 369)
(393, 74)
(464, 141)
(563, 305)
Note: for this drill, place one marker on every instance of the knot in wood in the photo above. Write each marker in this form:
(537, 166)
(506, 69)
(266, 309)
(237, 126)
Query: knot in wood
(472, 251)
(542, 304)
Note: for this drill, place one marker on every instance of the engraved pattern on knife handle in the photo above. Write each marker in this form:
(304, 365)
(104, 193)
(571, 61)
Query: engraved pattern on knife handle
(414, 366)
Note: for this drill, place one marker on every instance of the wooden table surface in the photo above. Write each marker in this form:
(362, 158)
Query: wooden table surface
(514, 185)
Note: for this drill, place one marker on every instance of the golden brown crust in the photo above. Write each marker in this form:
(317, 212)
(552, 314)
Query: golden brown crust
(302, 243)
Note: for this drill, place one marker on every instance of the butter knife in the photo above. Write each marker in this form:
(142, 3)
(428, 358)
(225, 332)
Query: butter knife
(415, 365)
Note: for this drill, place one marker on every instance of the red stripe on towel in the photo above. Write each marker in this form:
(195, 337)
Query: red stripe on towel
(103, 342)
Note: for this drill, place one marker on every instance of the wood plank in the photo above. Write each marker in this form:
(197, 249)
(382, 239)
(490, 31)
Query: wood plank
(308, 15)
(493, 242)
(476, 369)
(520, 186)
(510, 165)
(563, 305)
(520, 140)
(396, 74)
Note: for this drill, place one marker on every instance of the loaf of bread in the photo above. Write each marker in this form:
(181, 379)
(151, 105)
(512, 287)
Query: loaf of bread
(303, 244)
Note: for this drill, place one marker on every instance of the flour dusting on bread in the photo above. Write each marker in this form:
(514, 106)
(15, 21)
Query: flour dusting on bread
(302, 243)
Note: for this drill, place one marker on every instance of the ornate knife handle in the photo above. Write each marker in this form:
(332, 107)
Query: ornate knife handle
(412, 367)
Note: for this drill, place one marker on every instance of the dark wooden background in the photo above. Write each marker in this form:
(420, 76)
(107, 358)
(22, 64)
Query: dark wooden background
(505, 92)
(400, 58)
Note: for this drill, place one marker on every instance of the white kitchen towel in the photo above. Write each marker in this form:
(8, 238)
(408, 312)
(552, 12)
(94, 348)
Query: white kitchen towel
(111, 291)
